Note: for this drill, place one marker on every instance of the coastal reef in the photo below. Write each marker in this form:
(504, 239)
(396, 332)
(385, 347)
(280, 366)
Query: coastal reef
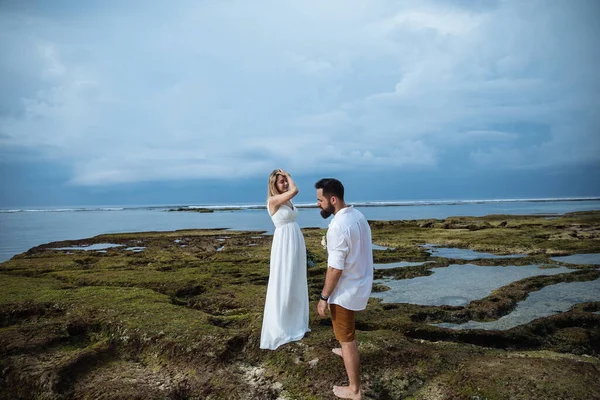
(177, 315)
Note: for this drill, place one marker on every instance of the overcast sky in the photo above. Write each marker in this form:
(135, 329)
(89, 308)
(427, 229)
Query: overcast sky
(112, 102)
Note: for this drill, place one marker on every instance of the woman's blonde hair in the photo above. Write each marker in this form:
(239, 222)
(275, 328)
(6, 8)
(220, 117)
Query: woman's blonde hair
(272, 189)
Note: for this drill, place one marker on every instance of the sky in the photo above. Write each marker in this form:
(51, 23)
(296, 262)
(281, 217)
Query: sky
(197, 101)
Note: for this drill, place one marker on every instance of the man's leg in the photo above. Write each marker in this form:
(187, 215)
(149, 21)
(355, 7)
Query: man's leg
(352, 365)
(343, 326)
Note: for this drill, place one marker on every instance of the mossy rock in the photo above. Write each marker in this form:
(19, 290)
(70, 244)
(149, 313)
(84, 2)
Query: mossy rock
(182, 319)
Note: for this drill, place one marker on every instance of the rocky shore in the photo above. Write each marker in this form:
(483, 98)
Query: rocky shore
(177, 315)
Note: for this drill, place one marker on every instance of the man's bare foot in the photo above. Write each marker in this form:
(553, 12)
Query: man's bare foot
(344, 392)
(337, 351)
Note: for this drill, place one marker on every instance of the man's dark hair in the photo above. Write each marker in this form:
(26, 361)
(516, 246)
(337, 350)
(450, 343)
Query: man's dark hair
(331, 187)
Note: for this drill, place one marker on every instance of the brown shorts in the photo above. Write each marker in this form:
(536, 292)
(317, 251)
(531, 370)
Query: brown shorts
(343, 323)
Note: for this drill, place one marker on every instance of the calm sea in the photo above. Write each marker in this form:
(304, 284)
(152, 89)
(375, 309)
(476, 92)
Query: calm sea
(21, 229)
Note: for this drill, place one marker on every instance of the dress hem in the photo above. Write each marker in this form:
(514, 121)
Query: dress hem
(293, 339)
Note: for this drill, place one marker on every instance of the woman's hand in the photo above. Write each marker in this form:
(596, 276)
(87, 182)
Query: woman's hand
(282, 198)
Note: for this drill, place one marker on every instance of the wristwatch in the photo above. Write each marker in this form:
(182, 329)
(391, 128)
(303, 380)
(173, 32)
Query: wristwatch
(321, 297)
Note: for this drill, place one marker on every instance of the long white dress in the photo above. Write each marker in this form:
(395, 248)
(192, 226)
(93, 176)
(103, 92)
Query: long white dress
(286, 306)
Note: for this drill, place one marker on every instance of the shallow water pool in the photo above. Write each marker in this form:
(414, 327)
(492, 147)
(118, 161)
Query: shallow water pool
(547, 301)
(591, 258)
(457, 285)
(97, 246)
(464, 254)
(378, 247)
(399, 264)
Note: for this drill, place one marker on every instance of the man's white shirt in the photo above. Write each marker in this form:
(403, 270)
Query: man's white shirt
(350, 249)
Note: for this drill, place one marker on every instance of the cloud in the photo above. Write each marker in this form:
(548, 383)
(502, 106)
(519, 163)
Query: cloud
(307, 65)
(124, 93)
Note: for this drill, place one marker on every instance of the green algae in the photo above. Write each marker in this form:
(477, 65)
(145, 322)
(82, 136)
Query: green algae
(186, 312)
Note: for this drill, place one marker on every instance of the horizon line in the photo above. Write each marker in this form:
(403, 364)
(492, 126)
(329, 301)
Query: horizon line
(250, 206)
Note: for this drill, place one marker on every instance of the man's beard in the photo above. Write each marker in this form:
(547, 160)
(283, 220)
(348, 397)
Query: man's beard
(326, 212)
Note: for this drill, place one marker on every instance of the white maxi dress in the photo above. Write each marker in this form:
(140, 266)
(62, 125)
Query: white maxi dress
(286, 306)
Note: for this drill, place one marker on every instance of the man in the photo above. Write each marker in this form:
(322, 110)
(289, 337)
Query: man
(349, 277)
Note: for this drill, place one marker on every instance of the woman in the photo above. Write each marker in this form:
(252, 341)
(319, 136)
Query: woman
(286, 306)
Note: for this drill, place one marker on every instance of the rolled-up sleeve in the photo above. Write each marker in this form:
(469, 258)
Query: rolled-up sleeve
(337, 248)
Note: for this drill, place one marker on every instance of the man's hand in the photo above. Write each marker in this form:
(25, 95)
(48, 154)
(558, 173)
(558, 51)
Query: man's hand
(321, 306)
(332, 276)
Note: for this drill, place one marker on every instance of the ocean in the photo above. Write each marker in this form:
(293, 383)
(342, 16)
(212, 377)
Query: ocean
(24, 228)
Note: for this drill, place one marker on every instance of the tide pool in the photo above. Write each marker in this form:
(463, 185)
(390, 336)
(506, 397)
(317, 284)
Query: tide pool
(547, 301)
(464, 254)
(593, 259)
(457, 285)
